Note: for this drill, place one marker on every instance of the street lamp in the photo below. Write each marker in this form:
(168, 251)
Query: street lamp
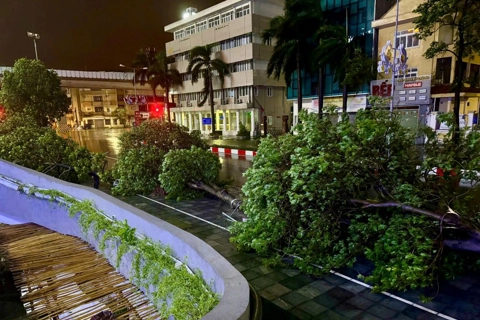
(35, 36)
(134, 76)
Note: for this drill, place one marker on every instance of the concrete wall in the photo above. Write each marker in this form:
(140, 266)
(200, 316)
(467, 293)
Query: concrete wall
(17, 207)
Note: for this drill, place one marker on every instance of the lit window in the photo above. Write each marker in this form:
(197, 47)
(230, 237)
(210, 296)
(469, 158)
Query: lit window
(242, 11)
(202, 25)
(408, 38)
(215, 21)
(189, 30)
(227, 16)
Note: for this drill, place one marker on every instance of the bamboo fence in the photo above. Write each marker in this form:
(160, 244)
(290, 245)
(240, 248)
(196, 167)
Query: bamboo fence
(62, 277)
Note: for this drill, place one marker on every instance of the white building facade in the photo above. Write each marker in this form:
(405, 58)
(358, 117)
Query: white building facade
(248, 96)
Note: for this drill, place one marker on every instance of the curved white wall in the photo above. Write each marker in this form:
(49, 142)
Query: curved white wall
(17, 207)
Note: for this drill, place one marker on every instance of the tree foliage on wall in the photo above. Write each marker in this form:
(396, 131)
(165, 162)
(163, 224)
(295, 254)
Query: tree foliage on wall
(331, 193)
(31, 89)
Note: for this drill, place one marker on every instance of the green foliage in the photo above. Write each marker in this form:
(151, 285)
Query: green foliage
(31, 89)
(177, 289)
(142, 151)
(243, 132)
(181, 167)
(302, 190)
(121, 114)
(41, 149)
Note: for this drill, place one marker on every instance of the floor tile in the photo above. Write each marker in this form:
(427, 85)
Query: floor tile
(312, 308)
(348, 310)
(294, 298)
(360, 302)
(250, 275)
(327, 300)
(261, 282)
(382, 311)
(309, 292)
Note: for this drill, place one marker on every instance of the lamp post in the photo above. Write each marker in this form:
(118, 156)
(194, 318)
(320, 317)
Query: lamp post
(134, 76)
(35, 37)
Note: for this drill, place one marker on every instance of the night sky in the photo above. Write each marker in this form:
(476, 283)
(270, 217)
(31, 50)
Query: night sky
(94, 35)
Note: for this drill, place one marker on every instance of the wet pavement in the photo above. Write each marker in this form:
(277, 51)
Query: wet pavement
(288, 294)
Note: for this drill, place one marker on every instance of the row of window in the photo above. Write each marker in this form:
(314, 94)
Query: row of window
(212, 21)
(233, 67)
(225, 93)
(408, 38)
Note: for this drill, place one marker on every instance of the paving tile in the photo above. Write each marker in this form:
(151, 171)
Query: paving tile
(382, 311)
(466, 306)
(261, 282)
(312, 308)
(348, 310)
(321, 285)
(335, 280)
(460, 284)
(238, 258)
(376, 297)
(394, 304)
(401, 316)
(330, 315)
(300, 314)
(327, 300)
(263, 270)
(353, 287)
(276, 290)
(360, 302)
(250, 275)
(340, 293)
(277, 275)
(282, 304)
(458, 314)
(309, 292)
(366, 316)
(251, 263)
(290, 272)
(240, 267)
(294, 298)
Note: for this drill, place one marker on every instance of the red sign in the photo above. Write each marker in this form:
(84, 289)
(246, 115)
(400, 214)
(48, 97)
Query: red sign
(412, 84)
(383, 90)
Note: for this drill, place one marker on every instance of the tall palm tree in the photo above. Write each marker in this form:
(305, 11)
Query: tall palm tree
(350, 66)
(146, 61)
(202, 64)
(168, 77)
(293, 33)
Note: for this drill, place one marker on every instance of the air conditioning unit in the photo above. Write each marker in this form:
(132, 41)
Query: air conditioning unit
(239, 101)
(225, 101)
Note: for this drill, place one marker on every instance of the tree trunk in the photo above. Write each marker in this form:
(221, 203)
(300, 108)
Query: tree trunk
(212, 106)
(222, 194)
(321, 93)
(459, 72)
(167, 89)
(299, 80)
(345, 97)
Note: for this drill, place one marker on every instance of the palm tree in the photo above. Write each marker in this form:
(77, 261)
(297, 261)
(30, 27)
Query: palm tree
(348, 62)
(146, 63)
(293, 33)
(168, 77)
(202, 64)
(157, 72)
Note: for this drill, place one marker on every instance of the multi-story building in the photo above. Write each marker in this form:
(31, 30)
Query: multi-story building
(435, 75)
(357, 16)
(234, 28)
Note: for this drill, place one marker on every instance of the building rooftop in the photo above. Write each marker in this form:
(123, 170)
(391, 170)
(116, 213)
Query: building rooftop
(76, 74)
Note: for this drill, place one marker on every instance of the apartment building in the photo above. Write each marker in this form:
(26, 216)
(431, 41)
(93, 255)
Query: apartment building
(248, 96)
(425, 89)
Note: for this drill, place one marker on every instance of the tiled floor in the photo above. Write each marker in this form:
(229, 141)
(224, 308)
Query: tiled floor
(289, 294)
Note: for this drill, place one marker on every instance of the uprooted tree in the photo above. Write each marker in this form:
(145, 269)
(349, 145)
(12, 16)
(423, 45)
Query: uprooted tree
(25, 143)
(334, 192)
(161, 154)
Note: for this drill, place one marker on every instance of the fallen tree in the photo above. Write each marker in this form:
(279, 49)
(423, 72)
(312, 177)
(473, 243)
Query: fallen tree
(333, 192)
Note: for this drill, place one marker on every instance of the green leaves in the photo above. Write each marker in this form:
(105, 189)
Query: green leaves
(299, 197)
(33, 90)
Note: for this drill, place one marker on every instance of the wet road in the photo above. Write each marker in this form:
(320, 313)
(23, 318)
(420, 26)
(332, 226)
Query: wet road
(106, 140)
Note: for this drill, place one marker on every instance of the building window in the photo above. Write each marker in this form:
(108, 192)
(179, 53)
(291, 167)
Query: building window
(178, 34)
(408, 38)
(269, 91)
(202, 25)
(189, 30)
(217, 94)
(115, 121)
(241, 66)
(212, 22)
(443, 70)
(97, 98)
(108, 122)
(98, 109)
(186, 76)
(255, 91)
(120, 97)
(411, 73)
(242, 11)
(227, 16)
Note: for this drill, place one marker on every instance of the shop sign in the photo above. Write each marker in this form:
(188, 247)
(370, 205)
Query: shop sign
(353, 103)
(408, 91)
